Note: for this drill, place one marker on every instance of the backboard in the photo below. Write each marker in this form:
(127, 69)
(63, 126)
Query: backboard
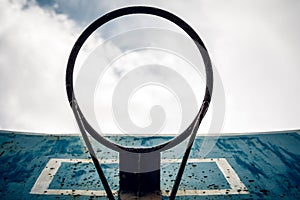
(243, 166)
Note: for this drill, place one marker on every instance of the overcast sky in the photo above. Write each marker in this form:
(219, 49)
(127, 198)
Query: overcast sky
(254, 46)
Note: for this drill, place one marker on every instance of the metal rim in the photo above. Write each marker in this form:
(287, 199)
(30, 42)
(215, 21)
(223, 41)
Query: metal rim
(129, 11)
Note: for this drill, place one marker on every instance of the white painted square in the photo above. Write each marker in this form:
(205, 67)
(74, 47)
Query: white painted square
(41, 185)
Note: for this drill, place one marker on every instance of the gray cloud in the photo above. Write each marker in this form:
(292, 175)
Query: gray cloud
(253, 44)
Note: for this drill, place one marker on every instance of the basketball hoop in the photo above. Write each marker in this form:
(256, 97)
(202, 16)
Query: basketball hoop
(139, 167)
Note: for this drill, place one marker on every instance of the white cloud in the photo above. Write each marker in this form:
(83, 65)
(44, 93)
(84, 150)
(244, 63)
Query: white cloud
(254, 46)
(35, 44)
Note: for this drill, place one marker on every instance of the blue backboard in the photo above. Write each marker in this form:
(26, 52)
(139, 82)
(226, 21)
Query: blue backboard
(253, 166)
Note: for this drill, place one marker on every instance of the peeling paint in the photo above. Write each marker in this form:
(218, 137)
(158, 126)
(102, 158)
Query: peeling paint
(268, 165)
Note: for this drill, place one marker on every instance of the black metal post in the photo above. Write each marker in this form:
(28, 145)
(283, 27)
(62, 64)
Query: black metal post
(139, 175)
